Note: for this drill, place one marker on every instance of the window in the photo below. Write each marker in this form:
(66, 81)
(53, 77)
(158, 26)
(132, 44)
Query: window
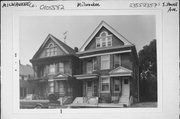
(51, 50)
(61, 88)
(105, 84)
(105, 62)
(117, 85)
(117, 60)
(89, 67)
(51, 87)
(61, 67)
(109, 41)
(125, 81)
(104, 40)
(23, 92)
(94, 64)
(98, 44)
(52, 69)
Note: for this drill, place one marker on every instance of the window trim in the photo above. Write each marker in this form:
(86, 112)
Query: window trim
(51, 50)
(108, 81)
(119, 85)
(89, 65)
(62, 66)
(126, 78)
(94, 60)
(119, 60)
(107, 39)
(52, 66)
(108, 60)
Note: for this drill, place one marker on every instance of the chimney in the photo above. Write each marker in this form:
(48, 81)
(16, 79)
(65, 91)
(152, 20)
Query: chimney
(75, 49)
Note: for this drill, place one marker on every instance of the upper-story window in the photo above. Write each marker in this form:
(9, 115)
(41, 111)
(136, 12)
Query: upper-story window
(51, 50)
(117, 60)
(105, 62)
(91, 65)
(61, 67)
(52, 69)
(104, 40)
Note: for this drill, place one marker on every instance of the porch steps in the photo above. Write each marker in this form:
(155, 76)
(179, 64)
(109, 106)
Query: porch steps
(124, 100)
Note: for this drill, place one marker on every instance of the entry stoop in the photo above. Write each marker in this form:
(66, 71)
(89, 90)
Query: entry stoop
(124, 100)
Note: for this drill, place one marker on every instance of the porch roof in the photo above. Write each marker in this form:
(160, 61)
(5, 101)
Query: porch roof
(86, 76)
(61, 76)
(120, 71)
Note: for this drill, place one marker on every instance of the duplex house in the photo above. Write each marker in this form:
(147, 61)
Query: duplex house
(54, 64)
(109, 67)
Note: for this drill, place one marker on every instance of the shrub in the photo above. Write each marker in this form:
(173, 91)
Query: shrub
(52, 97)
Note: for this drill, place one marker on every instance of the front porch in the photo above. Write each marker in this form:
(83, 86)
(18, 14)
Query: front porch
(113, 88)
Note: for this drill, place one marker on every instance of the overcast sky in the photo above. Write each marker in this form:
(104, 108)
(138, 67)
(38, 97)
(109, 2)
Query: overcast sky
(139, 30)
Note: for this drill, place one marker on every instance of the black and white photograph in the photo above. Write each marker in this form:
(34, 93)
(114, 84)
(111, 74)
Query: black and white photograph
(88, 61)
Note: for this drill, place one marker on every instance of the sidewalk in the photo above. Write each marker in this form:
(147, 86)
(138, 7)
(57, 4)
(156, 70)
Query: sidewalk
(99, 105)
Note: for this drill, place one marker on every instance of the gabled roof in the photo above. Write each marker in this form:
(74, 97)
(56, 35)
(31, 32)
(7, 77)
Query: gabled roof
(120, 71)
(62, 76)
(63, 46)
(104, 24)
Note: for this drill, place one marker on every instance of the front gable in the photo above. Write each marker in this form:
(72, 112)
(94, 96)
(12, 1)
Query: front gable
(110, 38)
(120, 71)
(50, 47)
(115, 40)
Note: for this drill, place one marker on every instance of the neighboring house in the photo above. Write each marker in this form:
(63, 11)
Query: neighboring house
(54, 64)
(25, 75)
(109, 67)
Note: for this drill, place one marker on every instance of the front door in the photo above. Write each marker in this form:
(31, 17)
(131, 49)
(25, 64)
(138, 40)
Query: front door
(89, 88)
(125, 91)
(126, 87)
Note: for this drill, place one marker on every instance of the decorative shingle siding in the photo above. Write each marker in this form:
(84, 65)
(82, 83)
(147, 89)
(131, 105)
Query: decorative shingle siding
(115, 40)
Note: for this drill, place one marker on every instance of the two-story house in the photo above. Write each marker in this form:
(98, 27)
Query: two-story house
(109, 67)
(54, 64)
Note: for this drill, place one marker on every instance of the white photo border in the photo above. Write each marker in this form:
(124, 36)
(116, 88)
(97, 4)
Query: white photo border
(10, 65)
